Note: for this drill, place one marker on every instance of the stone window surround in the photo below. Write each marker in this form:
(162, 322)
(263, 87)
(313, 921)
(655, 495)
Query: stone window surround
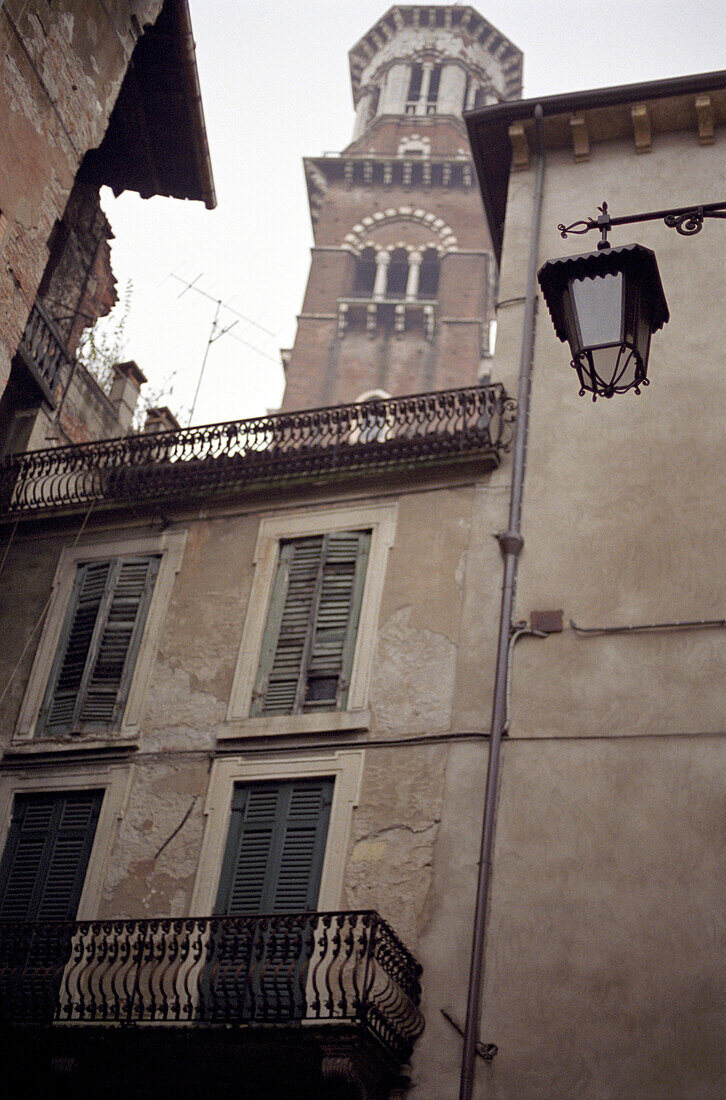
(170, 545)
(380, 519)
(113, 779)
(345, 767)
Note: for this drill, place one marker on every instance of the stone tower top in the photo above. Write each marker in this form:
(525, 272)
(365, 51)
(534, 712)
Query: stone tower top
(431, 60)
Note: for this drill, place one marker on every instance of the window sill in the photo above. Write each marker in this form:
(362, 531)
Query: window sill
(69, 746)
(276, 725)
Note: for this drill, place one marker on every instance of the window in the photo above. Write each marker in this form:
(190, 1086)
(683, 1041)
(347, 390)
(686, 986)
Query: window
(433, 93)
(275, 846)
(365, 274)
(428, 284)
(325, 684)
(397, 274)
(272, 865)
(91, 674)
(46, 854)
(414, 89)
(307, 651)
(228, 815)
(95, 652)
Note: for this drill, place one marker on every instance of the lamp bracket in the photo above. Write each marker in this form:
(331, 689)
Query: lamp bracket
(686, 220)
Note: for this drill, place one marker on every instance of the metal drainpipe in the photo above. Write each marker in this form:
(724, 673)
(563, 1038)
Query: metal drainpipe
(511, 543)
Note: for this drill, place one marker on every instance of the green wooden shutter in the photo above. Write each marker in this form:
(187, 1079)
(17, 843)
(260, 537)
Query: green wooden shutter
(275, 847)
(110, 672)
(89, 588)
(309, 643)
(336, 625)
(99, 642)
(46, 855)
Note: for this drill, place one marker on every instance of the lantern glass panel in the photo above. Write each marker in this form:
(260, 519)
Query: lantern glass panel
(599, 309)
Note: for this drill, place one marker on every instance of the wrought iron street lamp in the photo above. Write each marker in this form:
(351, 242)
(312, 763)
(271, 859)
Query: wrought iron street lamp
(607, 304)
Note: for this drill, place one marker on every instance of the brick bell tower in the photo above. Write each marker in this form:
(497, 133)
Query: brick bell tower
(400, 293)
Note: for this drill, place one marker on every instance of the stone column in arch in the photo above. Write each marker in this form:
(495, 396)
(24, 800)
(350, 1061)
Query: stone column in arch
(414, 269)
(379, 287)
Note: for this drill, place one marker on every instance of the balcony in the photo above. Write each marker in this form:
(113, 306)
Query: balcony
(387, 314)
(447, 426)
(43, 351)
(344, 978)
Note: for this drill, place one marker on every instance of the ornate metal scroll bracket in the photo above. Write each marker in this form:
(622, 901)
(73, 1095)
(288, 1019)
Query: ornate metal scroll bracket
(686, 224)
(686, 220)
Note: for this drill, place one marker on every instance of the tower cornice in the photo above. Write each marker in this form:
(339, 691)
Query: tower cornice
(425, 26)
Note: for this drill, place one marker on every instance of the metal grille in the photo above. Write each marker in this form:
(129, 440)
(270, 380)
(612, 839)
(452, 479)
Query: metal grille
(320, 967)
(383, 434)
(43, 347)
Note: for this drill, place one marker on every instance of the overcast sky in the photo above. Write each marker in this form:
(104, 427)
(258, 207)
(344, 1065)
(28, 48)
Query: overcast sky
(276, 87)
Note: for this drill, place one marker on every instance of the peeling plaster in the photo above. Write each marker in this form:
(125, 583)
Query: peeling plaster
(154, 863)
(413, 677)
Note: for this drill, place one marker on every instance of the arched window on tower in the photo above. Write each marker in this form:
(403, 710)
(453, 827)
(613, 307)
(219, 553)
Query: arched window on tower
(414, 89)
(365, 274)
(433, 92)
(397, 274)
(428, 282)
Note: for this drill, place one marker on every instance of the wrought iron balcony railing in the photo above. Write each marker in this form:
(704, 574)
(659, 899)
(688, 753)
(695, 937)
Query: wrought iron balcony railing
(42, 348)
(317, 967)
(440, 426)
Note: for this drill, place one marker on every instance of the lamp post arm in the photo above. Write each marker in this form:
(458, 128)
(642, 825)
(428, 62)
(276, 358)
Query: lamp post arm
(686, 220)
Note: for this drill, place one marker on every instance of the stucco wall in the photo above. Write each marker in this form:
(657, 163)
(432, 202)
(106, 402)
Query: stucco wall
(604, 963)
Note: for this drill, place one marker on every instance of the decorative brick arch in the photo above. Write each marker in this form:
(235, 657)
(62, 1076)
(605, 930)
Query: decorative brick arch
(443, 237)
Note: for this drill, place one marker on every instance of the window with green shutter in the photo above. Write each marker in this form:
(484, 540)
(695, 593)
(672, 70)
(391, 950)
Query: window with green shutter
(46, 855)
(275, 847)
(309, 641)
(273, 864)
(99, 641)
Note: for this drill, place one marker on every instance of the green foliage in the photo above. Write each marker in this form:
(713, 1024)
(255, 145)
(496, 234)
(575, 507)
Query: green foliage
(103, 344)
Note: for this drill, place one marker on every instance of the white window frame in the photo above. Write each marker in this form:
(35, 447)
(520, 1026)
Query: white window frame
(170, 545)
(380, 520)
(344, 767)
(113, 779)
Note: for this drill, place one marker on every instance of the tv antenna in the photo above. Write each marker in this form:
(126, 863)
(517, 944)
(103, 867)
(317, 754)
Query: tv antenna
(217, 330)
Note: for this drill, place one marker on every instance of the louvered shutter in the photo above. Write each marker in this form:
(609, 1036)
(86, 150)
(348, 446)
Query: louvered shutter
(275, 848)
(309, 642)
(336, 624)
(89, 588)
(112, 665)
(300, 865)
(273, 863)
(46, 855)
(94, 663)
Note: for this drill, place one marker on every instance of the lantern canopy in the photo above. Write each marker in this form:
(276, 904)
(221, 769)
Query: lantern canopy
(606, 304)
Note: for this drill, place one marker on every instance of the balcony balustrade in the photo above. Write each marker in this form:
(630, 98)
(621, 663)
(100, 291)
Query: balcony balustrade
(43, 350)
(321, 968)
(444, 426)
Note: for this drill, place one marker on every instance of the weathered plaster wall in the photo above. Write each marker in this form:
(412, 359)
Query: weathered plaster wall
(392, 848)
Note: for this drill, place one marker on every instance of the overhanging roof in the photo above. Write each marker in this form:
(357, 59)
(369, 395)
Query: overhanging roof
(156, 141)
(488, 127)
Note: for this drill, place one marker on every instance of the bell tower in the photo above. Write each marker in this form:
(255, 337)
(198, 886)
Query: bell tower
(401, 288)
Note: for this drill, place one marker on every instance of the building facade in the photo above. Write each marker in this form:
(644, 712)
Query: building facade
(249, 671)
